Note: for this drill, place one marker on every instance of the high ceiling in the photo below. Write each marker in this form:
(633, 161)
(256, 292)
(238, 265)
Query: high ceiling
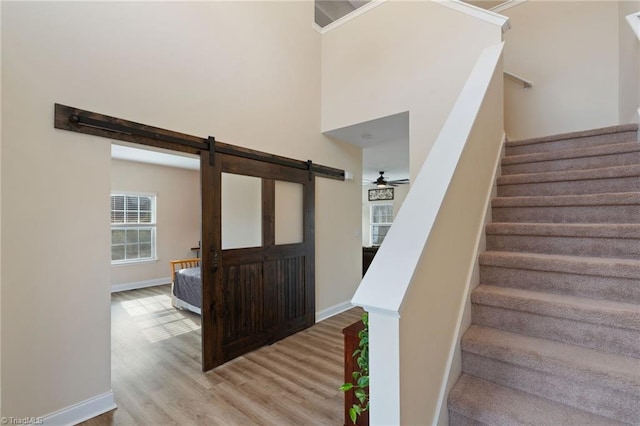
(384, 141)
(327, 11)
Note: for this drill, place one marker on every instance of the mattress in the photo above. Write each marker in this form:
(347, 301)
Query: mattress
(188, 286)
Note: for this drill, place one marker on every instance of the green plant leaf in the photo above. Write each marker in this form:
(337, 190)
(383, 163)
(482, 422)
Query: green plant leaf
(346, 387)
(363, 381)
(361, 377)
(353, 414)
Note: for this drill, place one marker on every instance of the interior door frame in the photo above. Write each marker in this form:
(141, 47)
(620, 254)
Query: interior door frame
(92, 123)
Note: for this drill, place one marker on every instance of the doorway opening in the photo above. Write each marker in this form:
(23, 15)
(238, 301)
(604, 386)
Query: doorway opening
(155, 218)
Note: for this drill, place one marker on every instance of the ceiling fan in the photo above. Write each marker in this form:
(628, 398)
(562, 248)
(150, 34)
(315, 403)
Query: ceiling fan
(381, 182)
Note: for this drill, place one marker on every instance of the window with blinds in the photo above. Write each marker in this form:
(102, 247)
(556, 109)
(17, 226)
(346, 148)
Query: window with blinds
(380, 223)
(133, 227)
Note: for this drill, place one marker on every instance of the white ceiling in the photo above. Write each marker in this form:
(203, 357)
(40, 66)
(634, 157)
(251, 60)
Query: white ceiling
(384, 143)
(185, 161)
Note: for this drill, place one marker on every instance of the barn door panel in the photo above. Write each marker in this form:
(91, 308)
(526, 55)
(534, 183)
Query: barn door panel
(264, 279)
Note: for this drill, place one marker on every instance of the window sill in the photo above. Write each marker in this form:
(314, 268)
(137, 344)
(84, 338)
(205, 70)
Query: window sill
(134, 262)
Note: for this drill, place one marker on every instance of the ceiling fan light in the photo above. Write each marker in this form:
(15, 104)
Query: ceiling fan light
(381, 184)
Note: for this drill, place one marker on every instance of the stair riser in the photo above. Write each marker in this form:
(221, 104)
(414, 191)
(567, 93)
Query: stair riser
(605, 338)
(574, 187)
(584, 163)
(610, 288)
(576, 143)
(569, 214)
(589, 396)
(622, 248)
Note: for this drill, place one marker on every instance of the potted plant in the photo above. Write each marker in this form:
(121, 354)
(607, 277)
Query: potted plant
(360, 383)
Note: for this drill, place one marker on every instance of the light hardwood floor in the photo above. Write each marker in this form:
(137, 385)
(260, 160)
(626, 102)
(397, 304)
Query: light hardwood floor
(157, 379)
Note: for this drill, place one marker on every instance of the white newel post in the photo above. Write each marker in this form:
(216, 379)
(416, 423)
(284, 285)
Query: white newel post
(384, 368)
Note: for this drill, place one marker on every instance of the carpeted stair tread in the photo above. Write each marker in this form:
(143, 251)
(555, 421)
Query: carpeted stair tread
(607, 199)
(576, 140)
(493, 404)
(595, 230)
(574, 320)
(557, 358)
(603, 312)
(615, 179)
(602, 207)
(623, 128)
(457, 419)
(571, 175)
(579, 265)
(594, 151)
(539, 275)
(568, 239)
(591, 396)
(619, 154)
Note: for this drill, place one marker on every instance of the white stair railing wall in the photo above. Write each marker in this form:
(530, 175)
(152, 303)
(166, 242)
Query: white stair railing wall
(417, 286)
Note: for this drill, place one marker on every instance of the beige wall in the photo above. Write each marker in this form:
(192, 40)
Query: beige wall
(1, 135)
(178, 215)
(399, 194)
(629, 64)
(570, 51)
(337, 223)
(398, 57)
(221, 68)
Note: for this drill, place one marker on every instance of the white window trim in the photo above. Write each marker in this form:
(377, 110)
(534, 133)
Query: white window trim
(152, 225)
(372, 224)
(133, 262)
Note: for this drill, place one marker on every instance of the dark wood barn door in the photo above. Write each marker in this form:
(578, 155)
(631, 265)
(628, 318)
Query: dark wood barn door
(258, 279)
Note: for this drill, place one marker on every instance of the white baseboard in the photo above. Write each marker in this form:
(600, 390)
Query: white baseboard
(333, 310)
(139, 284)
(81, 411)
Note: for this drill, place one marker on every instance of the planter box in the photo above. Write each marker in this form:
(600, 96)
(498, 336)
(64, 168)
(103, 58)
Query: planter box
(351, 342)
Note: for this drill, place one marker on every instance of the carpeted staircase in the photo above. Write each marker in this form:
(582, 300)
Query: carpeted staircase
(555, 334)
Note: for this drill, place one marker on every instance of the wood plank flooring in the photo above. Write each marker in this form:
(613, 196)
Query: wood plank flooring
(157, 378)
